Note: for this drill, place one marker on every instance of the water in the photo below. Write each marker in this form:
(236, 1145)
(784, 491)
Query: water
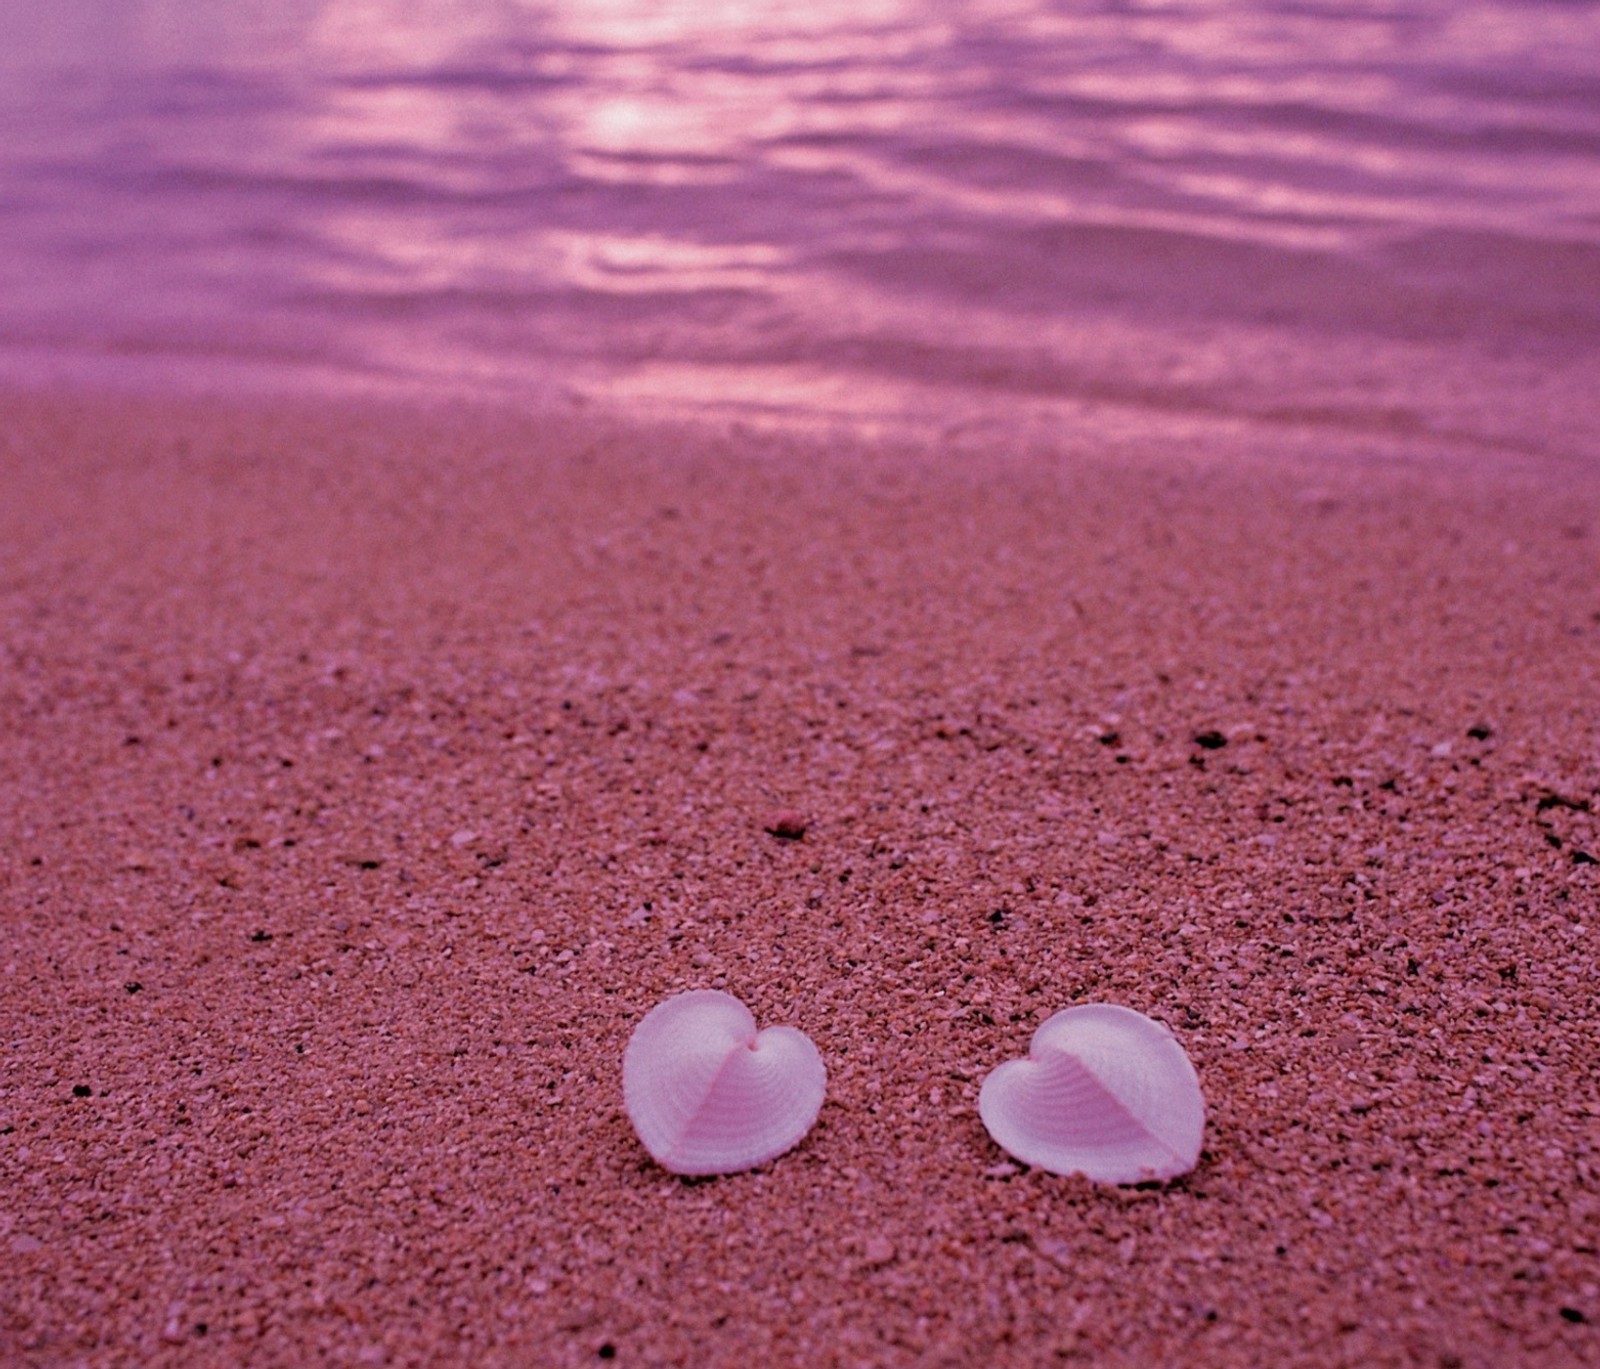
(1380, 216)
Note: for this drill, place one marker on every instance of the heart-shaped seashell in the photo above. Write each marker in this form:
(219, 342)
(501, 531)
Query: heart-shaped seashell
(709, 1094)
(1105, 1092)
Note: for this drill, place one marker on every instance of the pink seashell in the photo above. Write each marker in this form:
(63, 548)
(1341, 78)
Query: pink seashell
(1105, 1092)
(709, 1094)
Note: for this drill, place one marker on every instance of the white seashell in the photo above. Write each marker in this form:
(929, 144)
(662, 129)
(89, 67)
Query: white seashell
(1105, 1092)
(709, 1094)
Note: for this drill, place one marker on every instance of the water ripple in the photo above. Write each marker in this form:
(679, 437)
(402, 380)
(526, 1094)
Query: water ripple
(892, 190)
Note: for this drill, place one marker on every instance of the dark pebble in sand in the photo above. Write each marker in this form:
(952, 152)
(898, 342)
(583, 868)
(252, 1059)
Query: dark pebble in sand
(786, 826)
(1212, 740)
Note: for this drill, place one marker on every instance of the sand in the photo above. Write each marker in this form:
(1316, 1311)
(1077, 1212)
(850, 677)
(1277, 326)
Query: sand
(369, 771)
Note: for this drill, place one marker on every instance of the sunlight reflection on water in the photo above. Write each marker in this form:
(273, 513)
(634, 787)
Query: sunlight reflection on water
(881, 204)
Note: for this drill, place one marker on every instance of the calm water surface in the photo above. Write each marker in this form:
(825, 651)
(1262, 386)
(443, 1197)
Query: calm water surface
(1381, 215)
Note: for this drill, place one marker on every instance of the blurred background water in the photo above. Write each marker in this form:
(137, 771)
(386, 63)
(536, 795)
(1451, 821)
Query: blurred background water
(1381, 215)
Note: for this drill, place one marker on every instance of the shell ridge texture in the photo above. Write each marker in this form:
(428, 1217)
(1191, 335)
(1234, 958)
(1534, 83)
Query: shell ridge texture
(709, 1094)
(1116, 1118)
(670, 1102)
(1104, 1091)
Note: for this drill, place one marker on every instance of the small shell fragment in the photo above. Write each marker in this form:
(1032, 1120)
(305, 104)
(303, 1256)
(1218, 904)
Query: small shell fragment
(1105, 1092)
(709, 1094)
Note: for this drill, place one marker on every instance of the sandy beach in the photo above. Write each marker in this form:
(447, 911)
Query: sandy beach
(369, 770)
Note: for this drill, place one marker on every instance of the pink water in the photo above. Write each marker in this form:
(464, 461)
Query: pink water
(1379, 217)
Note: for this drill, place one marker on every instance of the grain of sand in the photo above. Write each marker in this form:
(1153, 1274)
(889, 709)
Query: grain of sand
(368, 772)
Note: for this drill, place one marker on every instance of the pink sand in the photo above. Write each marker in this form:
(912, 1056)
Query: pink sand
(367, 773)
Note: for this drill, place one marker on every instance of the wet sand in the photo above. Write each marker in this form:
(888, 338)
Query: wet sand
(368, 772)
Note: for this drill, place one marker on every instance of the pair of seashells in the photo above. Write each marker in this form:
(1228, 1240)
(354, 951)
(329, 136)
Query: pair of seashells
(1105, 1092)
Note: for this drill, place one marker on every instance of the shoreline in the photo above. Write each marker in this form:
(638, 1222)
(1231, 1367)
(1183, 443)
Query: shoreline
(371, 770)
